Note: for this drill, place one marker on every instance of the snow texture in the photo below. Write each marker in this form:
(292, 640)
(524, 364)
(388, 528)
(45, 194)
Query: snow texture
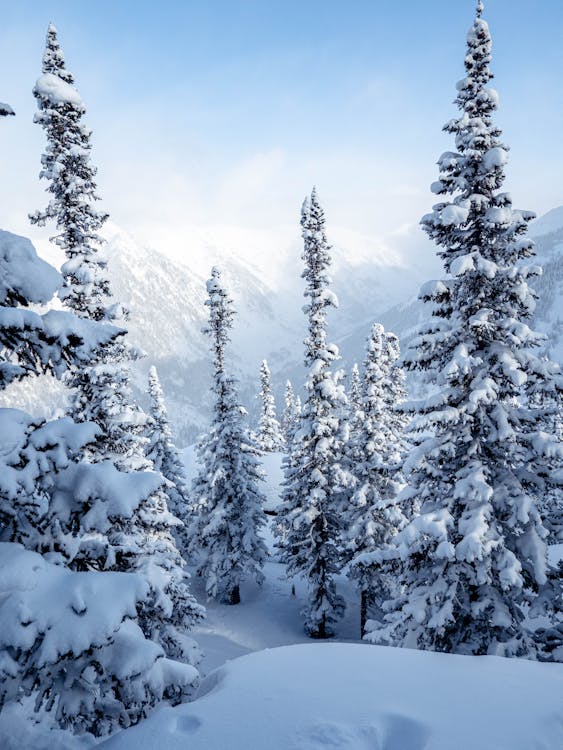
(356, 697)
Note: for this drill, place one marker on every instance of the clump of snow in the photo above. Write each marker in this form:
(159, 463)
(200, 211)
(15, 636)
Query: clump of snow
(495, 158)
(21, 269)
(57, 91)
(453, 215)
(353, 696)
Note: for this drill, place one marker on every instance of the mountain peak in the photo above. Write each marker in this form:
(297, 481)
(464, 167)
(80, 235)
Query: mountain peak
(550, 222)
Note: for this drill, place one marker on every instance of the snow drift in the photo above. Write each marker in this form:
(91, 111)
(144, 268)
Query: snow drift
(359, 697)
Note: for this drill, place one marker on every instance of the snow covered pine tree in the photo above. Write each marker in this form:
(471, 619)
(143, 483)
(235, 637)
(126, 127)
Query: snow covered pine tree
(136, 534)
(288, 416)
(270, 437)
(475, 556)
(162, 452)
(355, 390)
(378, 446)
(102, 392)
(309, 519)
(226, 498)
(67, 639)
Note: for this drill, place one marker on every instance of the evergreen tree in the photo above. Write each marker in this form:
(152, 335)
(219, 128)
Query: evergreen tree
(291, 414)
(475, 556)
(355, 390)
(162, 451)
(288, 411)
(101, 389)
(375, 515)
(138, 533)
(69, 639)
(226, 497)
(270, 439)
(309, 520)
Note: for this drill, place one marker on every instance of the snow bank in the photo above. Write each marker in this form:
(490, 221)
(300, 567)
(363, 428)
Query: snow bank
(359, 697)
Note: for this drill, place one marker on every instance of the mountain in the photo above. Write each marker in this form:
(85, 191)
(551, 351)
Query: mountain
(166, 299)
(547, 232)
(262, 270)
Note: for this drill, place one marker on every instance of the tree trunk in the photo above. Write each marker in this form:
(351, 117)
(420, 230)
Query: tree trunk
(235, 595)
(363, 613)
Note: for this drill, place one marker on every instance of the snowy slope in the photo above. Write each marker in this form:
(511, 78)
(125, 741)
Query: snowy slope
(356, 697)
(548, 235)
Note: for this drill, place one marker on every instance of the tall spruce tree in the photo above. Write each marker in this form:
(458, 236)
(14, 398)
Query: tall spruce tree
(309, 519)
(67, 638)
(270, 438)
(226, 497)
(475, 556)
(101, 390)
(375, 515)
(136, 535)
(355, 394)
(291, 414)
(162, 451)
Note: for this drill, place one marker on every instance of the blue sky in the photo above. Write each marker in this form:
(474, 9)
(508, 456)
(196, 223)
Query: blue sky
(218, 112)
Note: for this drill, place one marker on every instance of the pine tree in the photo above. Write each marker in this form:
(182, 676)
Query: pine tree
(475, 556)
(101, 390)
(139, 535)
(375, 515)
(355, 389)
(162, 451)
(309, 522)
(226, 497)
(270, 439)
(291, 414)
(69, 639)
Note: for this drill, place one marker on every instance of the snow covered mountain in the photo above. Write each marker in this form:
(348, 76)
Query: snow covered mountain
(263, 273)
(166, 301)
(548, 235)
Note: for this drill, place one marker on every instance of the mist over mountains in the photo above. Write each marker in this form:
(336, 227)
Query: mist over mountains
(262, 270)
(166, 299)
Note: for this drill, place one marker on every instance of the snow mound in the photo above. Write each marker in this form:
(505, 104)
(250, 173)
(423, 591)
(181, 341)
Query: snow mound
(359, 697)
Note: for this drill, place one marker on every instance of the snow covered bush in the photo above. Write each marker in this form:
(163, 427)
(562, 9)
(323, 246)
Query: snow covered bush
(72, 640)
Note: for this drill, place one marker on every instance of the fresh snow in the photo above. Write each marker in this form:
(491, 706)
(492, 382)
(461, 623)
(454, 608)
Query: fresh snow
(21, 269)
(57, 91)
(357, 697)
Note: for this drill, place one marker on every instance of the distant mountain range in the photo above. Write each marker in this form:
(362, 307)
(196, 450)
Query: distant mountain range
(166, 301)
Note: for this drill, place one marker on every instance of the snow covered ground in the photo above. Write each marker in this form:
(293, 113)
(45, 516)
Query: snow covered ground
(334, 696)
